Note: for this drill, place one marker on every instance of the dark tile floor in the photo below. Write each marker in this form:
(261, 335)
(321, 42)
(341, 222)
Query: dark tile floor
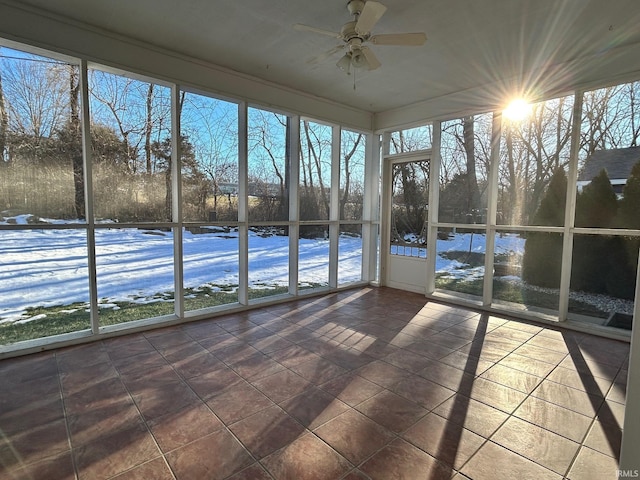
(368, 383)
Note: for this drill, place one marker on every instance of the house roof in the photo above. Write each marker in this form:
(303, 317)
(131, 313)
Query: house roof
(618, 163)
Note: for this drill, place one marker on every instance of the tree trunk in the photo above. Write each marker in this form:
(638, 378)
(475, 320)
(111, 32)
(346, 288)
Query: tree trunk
(76, 138)
(147, 129)
(4, 123)
(168, 196)
(472, 179)
(347, 178)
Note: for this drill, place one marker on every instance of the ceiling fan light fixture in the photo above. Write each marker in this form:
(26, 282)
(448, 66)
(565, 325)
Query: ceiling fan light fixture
(358, 60)
(344, 63)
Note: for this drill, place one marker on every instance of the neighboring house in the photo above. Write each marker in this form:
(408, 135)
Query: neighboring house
(618, 163)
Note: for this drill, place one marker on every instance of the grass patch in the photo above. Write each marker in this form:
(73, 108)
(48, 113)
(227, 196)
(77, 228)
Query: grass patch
(517, 293)
(73, 318)
(209, 296)
(56, 321)
(130, 311)
(267, 292)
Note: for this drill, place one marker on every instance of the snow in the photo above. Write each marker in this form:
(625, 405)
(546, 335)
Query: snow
(49, 267)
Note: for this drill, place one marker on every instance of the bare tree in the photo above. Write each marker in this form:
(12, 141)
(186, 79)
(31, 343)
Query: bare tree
(533, 149)
(468, 125)
(76, 140)
(148, 130)
(465, 156)
(134, 108)
(36, 101)
(350, 145)
(410, 184)
(269, 163)
(212, 128)
(611, 118)
(4, 121)
(410, 140)
(317, 140)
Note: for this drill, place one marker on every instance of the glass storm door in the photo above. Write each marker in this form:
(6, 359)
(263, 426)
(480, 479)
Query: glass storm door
(407, 198)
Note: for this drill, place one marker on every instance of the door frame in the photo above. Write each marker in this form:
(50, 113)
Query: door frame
(413, 274)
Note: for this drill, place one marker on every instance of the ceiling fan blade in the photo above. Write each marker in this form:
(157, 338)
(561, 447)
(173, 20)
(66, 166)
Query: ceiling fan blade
(307, 28)
(408, 39)
(323, 56)
(370, 57)
(369, 16)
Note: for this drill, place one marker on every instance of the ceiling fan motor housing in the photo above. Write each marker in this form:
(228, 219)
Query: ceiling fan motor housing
(355, 6)
(348, 32)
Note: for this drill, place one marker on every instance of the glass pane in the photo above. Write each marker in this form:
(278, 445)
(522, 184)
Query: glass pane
(603, 279)
(350, 254)
(44, 283)
(41, 164)
(533, 151)
(315, 170)
(209, 132)
(411, 140)
(409, 208)
(131, 143)
(352, 156)
(210, 266)
(609, 174)
(268, 166)
(268, 261)
(610, 119)
(526, 273)
(460, 261)
(313, 256)
(134, 274)
(465, 155)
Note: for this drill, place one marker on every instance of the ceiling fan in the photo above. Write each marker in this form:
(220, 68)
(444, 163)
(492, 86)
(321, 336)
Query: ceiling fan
(357, 32)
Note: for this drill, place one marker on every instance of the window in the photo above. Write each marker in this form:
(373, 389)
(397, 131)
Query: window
(603, 267)
(409, 208)
(351, 202)
(152, 238)
(209, 174)
(533, 150)
(131, 148)
(209, 147)
(44, 280)
(315, 173)
(268, 203)
(465, 153)
(411, 140)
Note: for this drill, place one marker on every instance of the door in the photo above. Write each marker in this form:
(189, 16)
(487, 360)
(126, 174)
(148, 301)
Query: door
(404, 262)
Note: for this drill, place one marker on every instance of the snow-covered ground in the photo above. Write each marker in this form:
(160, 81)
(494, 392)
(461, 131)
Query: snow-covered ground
(47, 267)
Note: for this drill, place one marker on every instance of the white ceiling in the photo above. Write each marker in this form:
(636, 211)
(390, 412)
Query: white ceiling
(471, 44)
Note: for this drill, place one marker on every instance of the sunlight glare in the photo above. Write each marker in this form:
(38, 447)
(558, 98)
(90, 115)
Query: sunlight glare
(517, 110)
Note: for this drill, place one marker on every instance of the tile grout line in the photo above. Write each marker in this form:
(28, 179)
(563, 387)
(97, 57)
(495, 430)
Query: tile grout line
(66, 418)
(142, 417)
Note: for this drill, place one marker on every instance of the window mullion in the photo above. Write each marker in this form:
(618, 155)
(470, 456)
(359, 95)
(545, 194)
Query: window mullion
(334, 210)
(492, 210)
(88, 198)
(432, 212)
(293, 146)
(567, 239)
(176, 199)
(243, 217)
